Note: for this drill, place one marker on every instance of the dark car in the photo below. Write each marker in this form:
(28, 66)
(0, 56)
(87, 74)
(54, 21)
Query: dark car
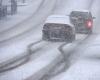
(58, 28)
(82, 20)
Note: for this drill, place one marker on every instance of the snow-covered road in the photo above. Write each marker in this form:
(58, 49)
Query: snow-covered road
(13, 25)
(83, 6)
(19, 43)
(66, 6)
(38, 62)
(44, 58)
(85, 59)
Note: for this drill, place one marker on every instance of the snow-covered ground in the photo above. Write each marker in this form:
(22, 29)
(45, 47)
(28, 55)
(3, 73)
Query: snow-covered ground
(10, 25)
(95, 11)
(38, 62)
(20, 44)
(66, 6)
(48, 52)
(15, 47)
(82, 70)
(86, 56)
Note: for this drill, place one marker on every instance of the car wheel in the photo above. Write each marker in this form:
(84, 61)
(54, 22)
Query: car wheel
(89, 31)
(45, 36)
(71, 38)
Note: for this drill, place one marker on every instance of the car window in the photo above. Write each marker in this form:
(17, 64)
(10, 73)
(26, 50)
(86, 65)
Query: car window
(80, 14)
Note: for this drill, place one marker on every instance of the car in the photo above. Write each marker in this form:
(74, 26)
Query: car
(58, 28)
(82, 20)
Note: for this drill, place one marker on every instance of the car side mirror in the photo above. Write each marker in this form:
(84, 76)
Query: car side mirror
(93, 17)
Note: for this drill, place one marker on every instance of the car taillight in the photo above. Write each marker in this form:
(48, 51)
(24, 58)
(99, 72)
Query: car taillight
(89, 23)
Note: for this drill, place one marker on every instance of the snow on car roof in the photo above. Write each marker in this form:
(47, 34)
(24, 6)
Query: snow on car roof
(61, 19)
(81, 10)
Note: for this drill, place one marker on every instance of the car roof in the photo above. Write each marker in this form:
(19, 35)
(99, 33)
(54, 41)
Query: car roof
(81, 10)
(60, 19)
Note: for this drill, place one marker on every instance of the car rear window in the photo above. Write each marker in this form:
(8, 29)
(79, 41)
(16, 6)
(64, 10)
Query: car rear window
(56, 26)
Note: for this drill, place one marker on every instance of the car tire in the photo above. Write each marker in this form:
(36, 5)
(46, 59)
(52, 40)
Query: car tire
(72, 38)
(45, 36)
(89, 31)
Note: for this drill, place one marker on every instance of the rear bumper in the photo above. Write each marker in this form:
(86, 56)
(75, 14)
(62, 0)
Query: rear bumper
(83, 30)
